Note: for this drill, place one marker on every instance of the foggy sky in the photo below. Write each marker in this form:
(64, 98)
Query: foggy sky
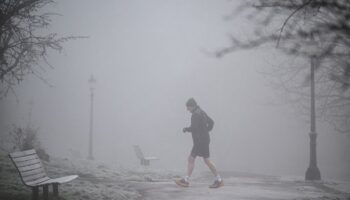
(148, 58)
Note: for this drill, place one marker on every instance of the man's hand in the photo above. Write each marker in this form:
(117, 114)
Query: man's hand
(185, 130)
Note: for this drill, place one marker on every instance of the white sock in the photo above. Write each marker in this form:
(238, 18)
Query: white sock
(187, 178)
(218, 178)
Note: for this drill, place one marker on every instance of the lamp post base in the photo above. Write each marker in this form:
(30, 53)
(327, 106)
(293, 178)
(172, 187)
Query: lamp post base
(313, 173)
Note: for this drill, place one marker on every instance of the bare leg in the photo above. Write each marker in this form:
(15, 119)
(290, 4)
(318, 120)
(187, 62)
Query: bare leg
(190, 165)
(211, 166)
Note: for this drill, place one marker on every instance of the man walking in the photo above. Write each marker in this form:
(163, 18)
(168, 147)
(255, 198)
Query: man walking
(201, 124)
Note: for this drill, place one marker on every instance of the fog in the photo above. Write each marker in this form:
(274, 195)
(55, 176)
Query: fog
(148, 58)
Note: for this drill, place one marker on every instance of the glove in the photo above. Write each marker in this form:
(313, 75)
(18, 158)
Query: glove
(185, 130)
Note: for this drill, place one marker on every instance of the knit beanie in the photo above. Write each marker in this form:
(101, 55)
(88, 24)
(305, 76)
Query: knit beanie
(191, 103)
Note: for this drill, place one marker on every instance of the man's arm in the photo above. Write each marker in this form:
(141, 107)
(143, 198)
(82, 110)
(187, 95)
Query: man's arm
(210, 122)
(195, 124)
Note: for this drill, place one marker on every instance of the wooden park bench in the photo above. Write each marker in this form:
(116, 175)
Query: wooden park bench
(33, 174)
(144, 160)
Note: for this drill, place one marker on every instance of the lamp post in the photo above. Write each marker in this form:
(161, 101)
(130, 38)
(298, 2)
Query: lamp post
(313, 173)
(92, 82)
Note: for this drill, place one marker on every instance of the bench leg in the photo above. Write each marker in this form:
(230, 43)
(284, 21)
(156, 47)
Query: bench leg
(55, 189)
(46, 192)
(35, 193)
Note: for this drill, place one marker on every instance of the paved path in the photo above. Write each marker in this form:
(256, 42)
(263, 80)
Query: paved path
(240, 188)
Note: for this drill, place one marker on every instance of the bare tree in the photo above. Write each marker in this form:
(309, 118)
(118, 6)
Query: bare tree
(22, 46)
(306, 28)
(21, 139)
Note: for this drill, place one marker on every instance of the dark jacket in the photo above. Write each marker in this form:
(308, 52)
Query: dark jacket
(198, 128)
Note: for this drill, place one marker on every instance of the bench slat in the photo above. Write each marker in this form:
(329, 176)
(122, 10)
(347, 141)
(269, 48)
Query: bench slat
(151, 158)
(34, 177)
(138, 152)
(28, 162)
(61, 179)
(25, 158)
(30, 167)
(37, 182)
(32, 172)
(22, 153)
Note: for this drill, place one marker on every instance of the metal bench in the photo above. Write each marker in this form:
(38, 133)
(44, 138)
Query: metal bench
(144, 160)
(33, 174)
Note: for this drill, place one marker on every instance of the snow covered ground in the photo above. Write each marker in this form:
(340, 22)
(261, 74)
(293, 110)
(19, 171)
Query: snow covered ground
(98, 181)
(242, 186)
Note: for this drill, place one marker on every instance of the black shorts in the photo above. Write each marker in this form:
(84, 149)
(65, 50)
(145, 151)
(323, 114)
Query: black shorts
(201, 150)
